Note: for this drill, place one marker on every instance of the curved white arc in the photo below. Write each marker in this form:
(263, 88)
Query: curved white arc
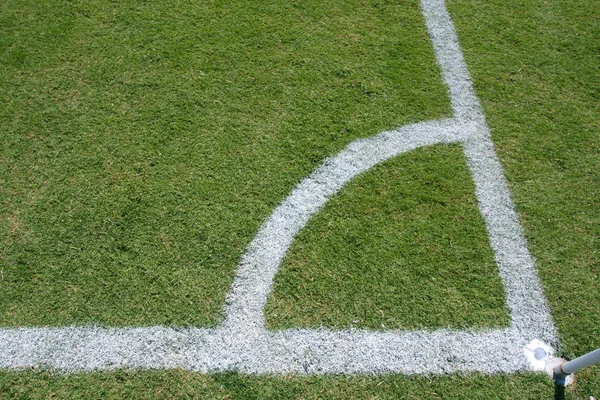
(248, 295)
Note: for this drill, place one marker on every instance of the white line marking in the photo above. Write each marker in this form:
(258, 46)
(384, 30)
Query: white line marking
(243, 344)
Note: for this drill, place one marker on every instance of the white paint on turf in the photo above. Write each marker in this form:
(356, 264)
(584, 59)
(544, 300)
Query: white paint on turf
(243, 344)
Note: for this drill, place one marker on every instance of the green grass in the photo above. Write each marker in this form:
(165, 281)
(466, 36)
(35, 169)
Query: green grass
(143, 143)
(176, 384)
(535, 68)
(183, 385)
(402, 247)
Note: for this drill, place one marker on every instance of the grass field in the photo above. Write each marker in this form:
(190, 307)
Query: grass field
(143, 143)
(409, 223)
(140, 170)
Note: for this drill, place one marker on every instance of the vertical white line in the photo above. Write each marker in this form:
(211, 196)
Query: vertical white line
(529, 312)
(451, 61)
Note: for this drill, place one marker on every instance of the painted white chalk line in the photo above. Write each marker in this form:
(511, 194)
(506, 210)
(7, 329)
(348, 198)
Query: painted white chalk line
(243, 344)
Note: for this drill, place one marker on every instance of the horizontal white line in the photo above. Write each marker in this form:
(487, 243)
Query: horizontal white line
(299, 351)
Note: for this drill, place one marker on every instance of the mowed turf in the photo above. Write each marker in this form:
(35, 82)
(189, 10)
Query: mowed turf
(185, 385)
(143, 143)
(401, 247)
(535, 68)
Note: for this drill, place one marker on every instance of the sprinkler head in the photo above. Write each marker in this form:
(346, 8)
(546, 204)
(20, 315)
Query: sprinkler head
(540, 354)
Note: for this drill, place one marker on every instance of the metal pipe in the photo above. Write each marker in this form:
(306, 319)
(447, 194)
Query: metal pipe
(562, 371)
(584, 361)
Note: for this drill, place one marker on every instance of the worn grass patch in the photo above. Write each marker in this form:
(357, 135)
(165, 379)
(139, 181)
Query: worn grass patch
(401, 247)
(143, 143)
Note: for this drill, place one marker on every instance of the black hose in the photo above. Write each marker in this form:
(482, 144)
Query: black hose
(559, 391)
